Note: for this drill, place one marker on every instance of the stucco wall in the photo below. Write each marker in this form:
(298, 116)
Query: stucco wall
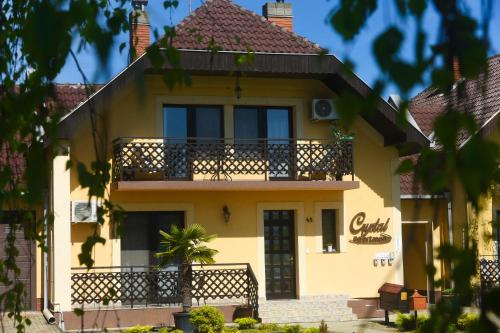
(135, 112)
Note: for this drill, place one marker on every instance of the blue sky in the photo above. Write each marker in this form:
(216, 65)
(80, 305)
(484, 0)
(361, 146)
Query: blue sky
(310, 19)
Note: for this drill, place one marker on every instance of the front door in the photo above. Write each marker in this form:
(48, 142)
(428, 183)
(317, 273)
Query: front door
(279, 254)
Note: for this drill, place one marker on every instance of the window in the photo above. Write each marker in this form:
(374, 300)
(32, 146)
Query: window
(329, 230)
(181, 122)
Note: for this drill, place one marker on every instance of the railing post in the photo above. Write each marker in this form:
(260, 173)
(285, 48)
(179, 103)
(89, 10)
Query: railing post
(132, 287)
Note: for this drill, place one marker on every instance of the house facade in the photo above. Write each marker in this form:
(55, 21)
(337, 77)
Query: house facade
(244, 152)
(433, 219)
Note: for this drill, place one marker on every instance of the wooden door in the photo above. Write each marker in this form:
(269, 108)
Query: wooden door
(279, 239)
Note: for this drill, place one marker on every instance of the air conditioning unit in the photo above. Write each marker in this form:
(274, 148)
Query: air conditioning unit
(83, 212)
(323, 109)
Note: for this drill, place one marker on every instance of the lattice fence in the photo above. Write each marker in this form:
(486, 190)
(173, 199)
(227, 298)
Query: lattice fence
(490, 272)
(163, 159)
(139, 286)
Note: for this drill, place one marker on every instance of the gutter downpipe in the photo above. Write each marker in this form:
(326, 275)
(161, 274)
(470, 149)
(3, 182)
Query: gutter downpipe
(46, 312)
(450, 230)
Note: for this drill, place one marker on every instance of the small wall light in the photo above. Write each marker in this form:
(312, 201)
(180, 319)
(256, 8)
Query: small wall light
(226, 213)
(382, 262)
(237, 90)
(375, 262)
(389, 261)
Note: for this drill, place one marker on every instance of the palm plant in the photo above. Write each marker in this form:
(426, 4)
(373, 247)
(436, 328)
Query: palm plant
(188, 246)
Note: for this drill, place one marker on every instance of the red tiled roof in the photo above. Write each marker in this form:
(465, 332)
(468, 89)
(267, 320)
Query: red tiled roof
(62, 98)
(430, 103)
(66, 97)
(234, 28)
(483, 104)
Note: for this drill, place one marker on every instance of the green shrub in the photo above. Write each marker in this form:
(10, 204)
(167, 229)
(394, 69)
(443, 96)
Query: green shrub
(207, 319)
(292, 328)
(245, 323)
(269, 327)
(138, 329)
(230, 329)
(310, 330)
(405, 322)
(466, 320)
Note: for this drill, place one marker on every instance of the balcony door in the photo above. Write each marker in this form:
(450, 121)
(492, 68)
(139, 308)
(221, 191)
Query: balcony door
(269, 129)
(188, 130)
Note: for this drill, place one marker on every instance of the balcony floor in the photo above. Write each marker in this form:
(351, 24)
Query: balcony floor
(235, 185)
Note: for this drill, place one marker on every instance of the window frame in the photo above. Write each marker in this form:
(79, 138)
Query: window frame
(341, 242)
(191, 118)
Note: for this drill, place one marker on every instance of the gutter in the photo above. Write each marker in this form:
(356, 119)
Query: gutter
(46, 312)
(450, 230)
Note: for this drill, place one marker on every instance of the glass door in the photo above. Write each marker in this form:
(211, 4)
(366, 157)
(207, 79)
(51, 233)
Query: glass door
(279, 132)
(175, 131)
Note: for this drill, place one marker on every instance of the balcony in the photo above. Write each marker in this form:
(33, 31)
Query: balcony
(228, 164)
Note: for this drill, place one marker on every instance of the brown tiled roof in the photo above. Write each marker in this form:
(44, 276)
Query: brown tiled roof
(483, 104)
(234, 28)
(430, 103)
(65, 97)
(62, 99)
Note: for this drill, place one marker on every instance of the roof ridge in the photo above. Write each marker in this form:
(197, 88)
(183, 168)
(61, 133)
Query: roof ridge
(233, 34)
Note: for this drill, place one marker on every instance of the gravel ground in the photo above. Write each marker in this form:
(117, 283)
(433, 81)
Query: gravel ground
(38, 324)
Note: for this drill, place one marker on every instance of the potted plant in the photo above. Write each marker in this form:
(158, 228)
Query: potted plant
(329, 247)
(188, 245)
(340, 137)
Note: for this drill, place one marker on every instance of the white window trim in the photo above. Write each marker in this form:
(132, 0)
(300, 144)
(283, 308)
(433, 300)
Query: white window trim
(337, 205)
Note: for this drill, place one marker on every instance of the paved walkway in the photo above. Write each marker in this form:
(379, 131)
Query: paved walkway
(38, 324)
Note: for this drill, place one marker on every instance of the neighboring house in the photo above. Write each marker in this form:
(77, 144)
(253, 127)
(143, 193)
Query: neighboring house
(240, 152)
(430, 220)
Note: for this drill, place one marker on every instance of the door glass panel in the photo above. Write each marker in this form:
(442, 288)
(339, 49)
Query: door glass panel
(278, 134)
(277, 273)
(175, 130)
(208, 123)
(285, 245)
(246, 123)
(175, 122)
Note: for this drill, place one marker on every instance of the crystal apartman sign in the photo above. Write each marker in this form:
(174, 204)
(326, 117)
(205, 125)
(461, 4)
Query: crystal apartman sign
(364, 232)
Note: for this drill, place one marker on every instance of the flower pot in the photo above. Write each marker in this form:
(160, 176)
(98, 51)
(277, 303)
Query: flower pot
(330, 248)
(182, 322)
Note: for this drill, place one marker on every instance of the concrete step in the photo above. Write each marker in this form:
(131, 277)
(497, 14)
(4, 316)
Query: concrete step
(309, 309)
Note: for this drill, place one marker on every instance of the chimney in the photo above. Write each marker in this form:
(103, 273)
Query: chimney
(280, 13)
(139, 29)
(457, 69)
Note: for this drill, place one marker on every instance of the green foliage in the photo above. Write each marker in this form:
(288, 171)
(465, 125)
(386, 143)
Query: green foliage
(269, 327)
(138, 329)
(231, 329)
(188, 244)
(406, 322)
(207, 319)
(310, 330)
(292, 328)
(467, 320)
(245, 323)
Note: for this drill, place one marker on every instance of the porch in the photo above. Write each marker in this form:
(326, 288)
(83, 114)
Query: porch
(133, 287)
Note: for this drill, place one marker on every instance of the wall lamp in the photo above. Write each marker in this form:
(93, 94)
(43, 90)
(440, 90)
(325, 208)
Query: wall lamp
(237, 90)
(226, 213)
(375, 262)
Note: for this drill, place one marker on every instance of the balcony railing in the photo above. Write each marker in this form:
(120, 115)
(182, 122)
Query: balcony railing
(228, 159)
(141, 286)
(489, 270)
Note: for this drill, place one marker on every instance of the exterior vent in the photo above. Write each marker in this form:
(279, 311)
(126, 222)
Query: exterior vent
(323, 109)
(83, 212)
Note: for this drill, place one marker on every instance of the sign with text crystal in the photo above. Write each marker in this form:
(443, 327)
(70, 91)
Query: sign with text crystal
(364, 232)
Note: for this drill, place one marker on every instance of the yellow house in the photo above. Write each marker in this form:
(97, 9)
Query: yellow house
(430, 220)
(309, 227)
